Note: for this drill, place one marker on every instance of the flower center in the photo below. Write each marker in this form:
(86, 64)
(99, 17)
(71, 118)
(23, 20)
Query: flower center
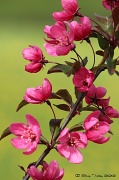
(29, 135)
(85, 83)
(73, 141)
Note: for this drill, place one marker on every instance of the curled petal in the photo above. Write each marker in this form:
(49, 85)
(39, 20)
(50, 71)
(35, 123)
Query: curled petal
(62, 16)
(91, 119)
(33, 67)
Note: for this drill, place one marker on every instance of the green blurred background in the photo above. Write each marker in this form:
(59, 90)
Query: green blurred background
(22, 24)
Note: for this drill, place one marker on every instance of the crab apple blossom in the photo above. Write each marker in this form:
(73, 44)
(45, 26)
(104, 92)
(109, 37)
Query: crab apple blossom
(69, 144)
(95, 95)
(110, 4)
(83, 79)
(83, 29)
(61, 40)
(35, 56)
(107, 113)
(95, 129)
(49, 171)
(39, 94)
(28, 135)
(70, 9)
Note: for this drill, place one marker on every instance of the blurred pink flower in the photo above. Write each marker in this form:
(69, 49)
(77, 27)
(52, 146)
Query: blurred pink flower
(70, 9)
(35, 56)
(95, 95)
(39, 94)
(108, 112)
(61, 40)
(83, 30)
(95, 130)
(83, 79)
(69, 144)
(28, 135)
(110, 4)
(48, 172)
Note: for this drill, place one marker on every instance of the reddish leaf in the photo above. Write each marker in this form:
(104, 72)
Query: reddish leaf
(100, 53)
(55, 96)
(5, 133)
(115, 16)
(64, 94)
(63, 107)
(54, 69)
(77, 127)
(22, 104)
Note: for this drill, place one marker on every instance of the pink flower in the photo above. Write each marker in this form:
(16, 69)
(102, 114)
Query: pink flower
(61, 41)
(70, 9)
(83, 30)
(95, 130)
(35, 56)
(69, 144)
(95, 95)
(39, 94)
(108, 112)
(28, 135)
(83, 79)
(48, 172)
(110, 4)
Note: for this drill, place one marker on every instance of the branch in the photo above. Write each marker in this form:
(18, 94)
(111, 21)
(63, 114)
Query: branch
(69, 117)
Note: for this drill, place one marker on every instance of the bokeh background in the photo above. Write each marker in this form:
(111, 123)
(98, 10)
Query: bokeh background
(22, 24)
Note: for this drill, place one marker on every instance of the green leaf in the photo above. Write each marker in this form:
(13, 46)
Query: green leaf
(64, 94)
(66, 69)
(69, 63)
(22, 104)
(111, 65)
(111, 51)
(77, 127)
(84, 61)
(77, 93)
(103, 43)
(63, 107)
(5, 133)
(60, 68)
(54, 125)
(54, 69)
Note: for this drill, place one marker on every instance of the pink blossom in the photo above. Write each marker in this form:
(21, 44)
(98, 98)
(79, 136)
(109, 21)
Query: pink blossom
(110, 4)
(28, 135)
(35, 56)
(48, 172)
(61, 40)
(83, 30)
(70, 9)
(39, 94)
(95, 130)
(83, 79)
(69, 144)
(95, 95)
(108, 112)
